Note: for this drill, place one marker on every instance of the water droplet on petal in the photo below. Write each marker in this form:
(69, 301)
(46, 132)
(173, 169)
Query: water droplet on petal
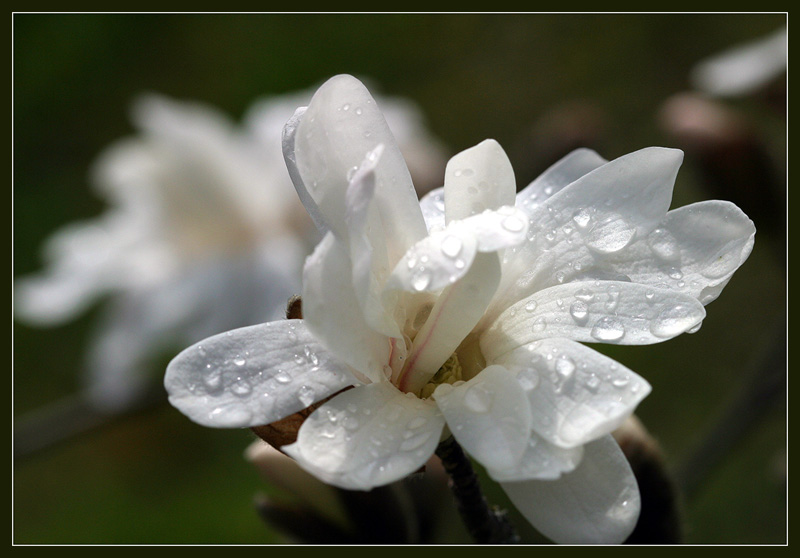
(311, 357)
(621, 382)
(608, 328)
(674, 273)
(283, 377)
(306, 395)
(582, 217)
(612, 237)
(673, 321)
(238, 360)
(579, 311)
(212, 379)
(663, 244)
(584, 294)
(414, 441)
(530, 306)
(241, 387)
(564, 367)
(478, 399)
(528, 379)
(451, 246)
(539, 324)
(421, 280)
(512, 223)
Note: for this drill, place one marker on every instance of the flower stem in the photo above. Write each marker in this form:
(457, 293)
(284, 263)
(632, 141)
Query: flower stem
(486, 525)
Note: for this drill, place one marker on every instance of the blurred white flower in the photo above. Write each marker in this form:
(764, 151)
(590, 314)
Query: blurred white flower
(203, 233)
(744, 68)
(463, 314)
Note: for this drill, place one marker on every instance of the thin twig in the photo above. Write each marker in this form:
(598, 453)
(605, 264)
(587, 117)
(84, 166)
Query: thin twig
(486, 525)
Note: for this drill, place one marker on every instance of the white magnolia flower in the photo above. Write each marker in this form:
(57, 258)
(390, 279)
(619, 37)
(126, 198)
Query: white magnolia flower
(464, 314)
(204, 233)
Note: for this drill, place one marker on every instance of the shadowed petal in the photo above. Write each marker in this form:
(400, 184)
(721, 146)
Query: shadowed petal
(330, 300)
(597, 503)
(368, 436)
(489, 416)
(541, 461)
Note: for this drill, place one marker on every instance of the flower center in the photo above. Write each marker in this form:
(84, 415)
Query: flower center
(449, 373)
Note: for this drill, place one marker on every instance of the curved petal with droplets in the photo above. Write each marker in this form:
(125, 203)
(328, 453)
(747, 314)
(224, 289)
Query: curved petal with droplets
(368, 436)
(489, 416)
(695, 250)
(576, 394)
(443, 257)
(477, 179)
(562, 173)
(595, 312)
(590, 220)
(253, 375)
(597, 503)
(340, 126)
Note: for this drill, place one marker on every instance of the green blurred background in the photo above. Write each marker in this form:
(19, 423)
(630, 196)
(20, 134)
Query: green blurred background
(155, 477)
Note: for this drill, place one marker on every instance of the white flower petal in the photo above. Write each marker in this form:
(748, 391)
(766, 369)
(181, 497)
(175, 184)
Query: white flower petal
(595, 312)
(590, 220)
(478, 179)
(253, 376)
(341, 125)
(367, 245)
(495, 230)
(695, 250)
(438, 260)
(576, 394)
(331, 310)
(287, 144)
(541, 461)
(445, 256)
(562, 173)
(597, 503)
(489, 416)
(368, 436)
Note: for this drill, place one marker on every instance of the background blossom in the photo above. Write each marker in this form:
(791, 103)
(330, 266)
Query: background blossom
(204, 233)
